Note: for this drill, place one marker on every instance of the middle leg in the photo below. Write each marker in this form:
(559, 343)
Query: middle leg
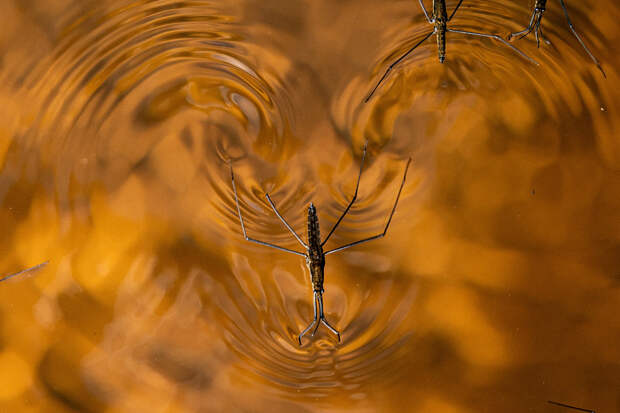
(572, 28)
(402, 184)
(273, 206)
(455, 9)
(357, 186)
(397, 61)
(496, 37)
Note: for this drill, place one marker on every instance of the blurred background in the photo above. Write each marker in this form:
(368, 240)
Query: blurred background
(496, 289)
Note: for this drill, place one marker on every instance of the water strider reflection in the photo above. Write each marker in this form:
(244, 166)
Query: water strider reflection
(497, 286)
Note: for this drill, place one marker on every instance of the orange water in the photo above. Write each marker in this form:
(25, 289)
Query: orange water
(496, 289)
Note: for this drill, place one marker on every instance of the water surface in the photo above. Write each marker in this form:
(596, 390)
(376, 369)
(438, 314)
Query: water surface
(495, 290)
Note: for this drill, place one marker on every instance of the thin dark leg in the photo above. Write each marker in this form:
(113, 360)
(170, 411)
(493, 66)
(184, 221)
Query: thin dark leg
(570, 24)
(316, 328)
(496, 37)
(542, 36)
(359, 176)
(402, 184)
(525, 31)
(319, 298)
(536, 30)
(455, 9)
(425, 12)
(273, 206)
(332, 329)
(36, 267)
(315, 321)
(389, 69)
(245, 235)
(570, 407)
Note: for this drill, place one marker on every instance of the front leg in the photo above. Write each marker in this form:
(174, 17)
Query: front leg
(431, 21)
(455, 10)
(527, 30)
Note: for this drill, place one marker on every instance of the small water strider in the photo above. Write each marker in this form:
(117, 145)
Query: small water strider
(570, 407)
(440, 21)
(314, 255)
(36, 267)
(536, 20)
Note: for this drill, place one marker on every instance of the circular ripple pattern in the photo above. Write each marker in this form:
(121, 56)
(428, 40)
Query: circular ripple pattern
(263, 325)
(565, 81)
(121, 80)
(126, 84)
(195, 330)
(151, 99)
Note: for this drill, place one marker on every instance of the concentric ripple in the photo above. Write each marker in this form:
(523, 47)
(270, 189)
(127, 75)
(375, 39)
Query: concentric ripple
(212, 335)
(154, 301)
(421, 91)
(264, 335)
(122, 80)
(162, 95)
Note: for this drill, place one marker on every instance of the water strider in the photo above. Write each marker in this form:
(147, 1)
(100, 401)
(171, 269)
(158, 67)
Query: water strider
(439, 18)
(36, 267)
(571, 407)
(535, 22)
(314, 255)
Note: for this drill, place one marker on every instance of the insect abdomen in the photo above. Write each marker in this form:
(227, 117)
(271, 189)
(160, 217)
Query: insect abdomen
(316, 259)
(441, 44)
(440, 16)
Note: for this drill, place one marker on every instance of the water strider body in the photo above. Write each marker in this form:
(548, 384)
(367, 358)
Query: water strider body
(439, 19)
(36, 267)
(314, 254)
(534, 25)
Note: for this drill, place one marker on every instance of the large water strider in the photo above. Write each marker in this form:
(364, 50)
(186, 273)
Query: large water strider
(439, 19)
(315, 256)
(535, 25)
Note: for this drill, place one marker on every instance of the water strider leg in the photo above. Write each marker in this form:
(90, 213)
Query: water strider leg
(245, 235)
(402, 184)
(359, 176)
(36, 267)
(570, 407)
(273, 206)
(400, 59)
(326, 324)
(525, 31)
(319, 298)
(542, 36)
(431, 21)
(455, 9)
(315, 321)
(496, 37)
(570, 24)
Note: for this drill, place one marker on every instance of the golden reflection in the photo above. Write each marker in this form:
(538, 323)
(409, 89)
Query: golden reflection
(496, 288)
